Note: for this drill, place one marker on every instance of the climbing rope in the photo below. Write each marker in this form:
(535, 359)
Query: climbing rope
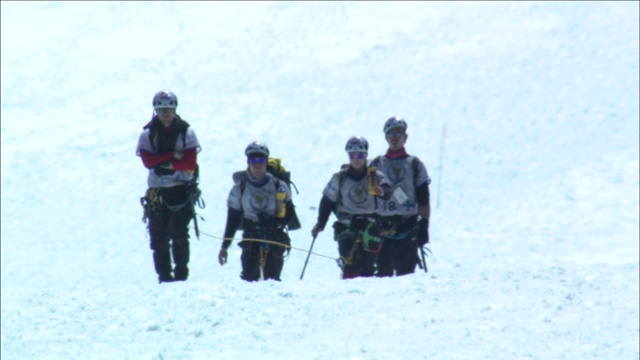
(267, 242)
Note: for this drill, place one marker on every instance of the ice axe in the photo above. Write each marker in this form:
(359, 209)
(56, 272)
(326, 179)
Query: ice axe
(422, 261)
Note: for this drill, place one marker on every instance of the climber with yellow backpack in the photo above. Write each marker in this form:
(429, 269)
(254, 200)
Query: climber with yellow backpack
(260, 204)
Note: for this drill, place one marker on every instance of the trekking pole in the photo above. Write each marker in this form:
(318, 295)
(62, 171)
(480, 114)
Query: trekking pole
(308, 256)
(195, 224)
(424, 262)
(195, 192)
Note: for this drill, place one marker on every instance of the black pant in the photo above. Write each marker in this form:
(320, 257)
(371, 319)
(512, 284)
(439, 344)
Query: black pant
(169, 232)
(259, 255)
(398, 255)
(399, 250)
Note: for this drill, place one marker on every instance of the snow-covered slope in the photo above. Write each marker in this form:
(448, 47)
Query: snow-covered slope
(526, 115)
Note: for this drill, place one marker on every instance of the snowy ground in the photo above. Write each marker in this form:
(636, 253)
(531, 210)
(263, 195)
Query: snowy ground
(535, 219)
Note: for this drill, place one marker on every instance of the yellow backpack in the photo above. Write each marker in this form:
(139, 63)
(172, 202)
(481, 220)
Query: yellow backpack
(275, 168)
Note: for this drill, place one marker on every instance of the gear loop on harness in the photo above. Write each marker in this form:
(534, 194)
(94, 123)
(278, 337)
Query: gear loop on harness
(150, 202)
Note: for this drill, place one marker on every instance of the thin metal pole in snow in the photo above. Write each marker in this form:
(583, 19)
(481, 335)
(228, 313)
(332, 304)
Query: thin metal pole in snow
(308, 255)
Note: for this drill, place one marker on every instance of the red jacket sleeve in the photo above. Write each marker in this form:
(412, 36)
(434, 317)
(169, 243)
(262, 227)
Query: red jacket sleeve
(150, 160)
(188, 161)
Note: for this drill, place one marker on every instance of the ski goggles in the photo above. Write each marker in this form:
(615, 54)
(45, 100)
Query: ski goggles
(257, 160)
(357, 155)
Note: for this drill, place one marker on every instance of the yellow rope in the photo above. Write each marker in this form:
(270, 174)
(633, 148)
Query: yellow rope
(267, 242)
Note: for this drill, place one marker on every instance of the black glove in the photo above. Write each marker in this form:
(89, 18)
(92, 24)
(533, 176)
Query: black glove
(423, 232)
(317, 228)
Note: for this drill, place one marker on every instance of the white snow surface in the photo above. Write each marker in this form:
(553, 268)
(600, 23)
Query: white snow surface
(525, 113)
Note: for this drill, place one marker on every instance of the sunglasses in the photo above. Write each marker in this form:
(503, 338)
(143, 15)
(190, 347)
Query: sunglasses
(358, 155)
(258, 160)
(395, 133)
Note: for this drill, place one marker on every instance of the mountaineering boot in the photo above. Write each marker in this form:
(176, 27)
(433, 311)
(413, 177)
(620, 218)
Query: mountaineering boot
(349, 275)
